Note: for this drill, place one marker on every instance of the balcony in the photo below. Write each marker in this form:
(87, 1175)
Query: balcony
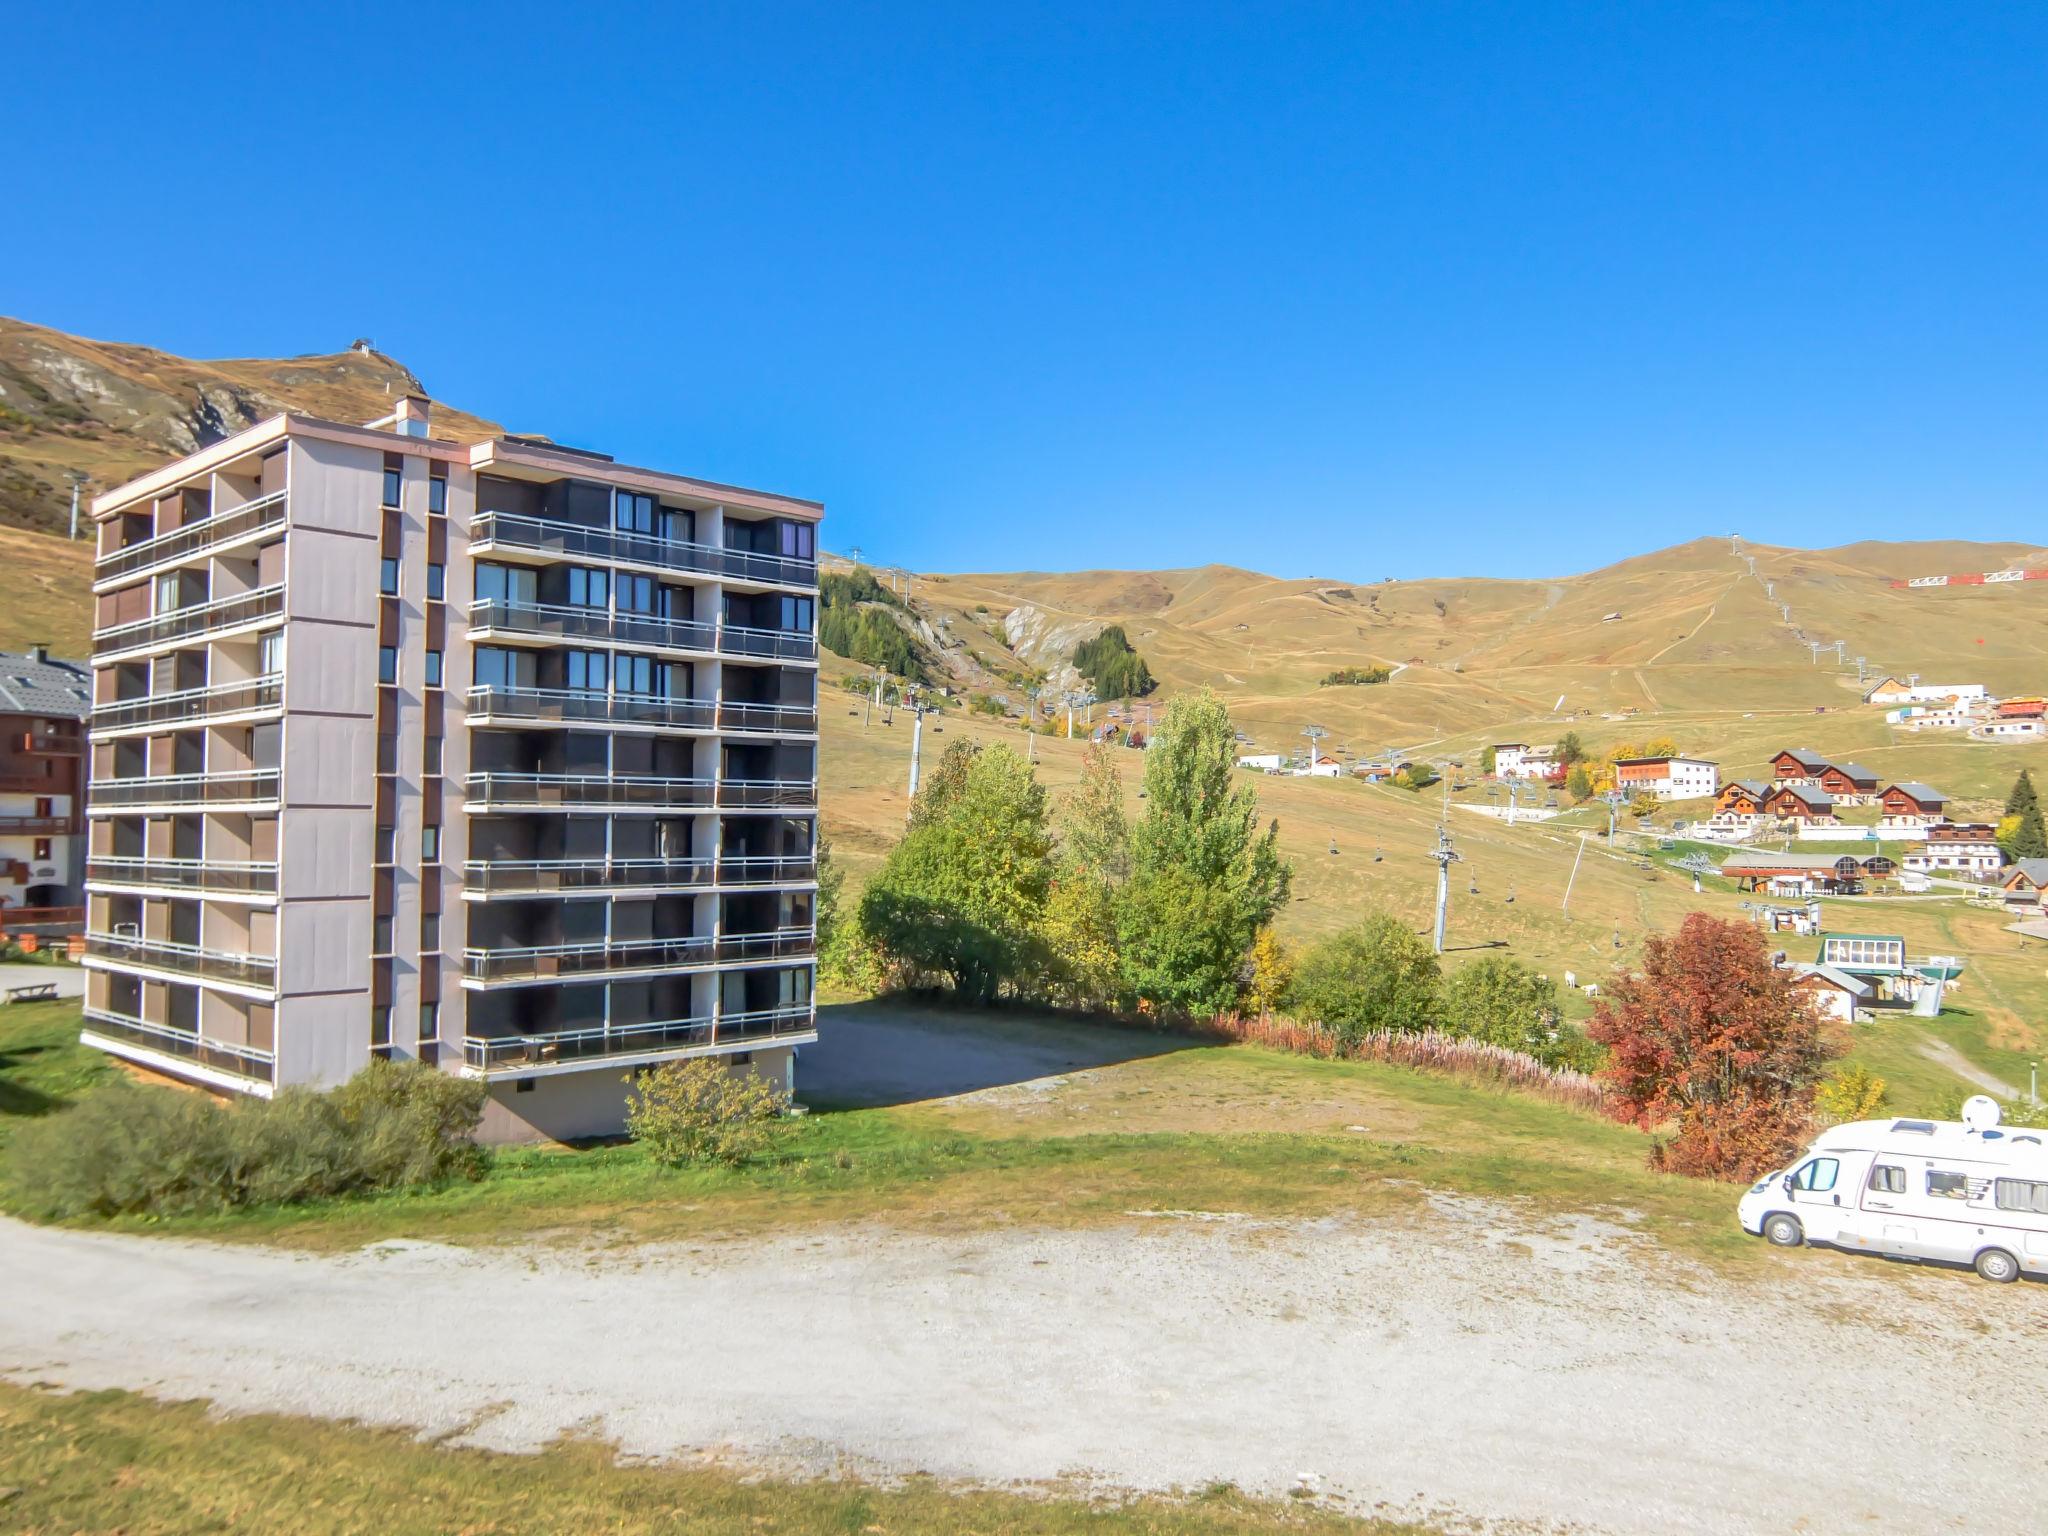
(769, 719)
(238, 523)
(497, 620)
(571, 706)
(50, 744)
(503, 532)
(250, 789)
(553, 962)
(126, 949)
(486, 1054)
(222, 877)
(217, 701)
(774, 644)
(549, 877)
(768, 794)
(241, 611)
(33, 826)
(759, 871)
(245, 1061)
(491, 793)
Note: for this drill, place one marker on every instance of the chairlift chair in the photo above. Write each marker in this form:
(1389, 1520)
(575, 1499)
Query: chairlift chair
(1377, 855)
(1510, 898)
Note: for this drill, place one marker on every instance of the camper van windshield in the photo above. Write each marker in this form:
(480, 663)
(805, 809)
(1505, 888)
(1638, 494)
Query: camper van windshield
(1818, 1174)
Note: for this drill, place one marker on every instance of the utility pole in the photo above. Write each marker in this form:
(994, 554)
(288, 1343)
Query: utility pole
(916, 743)
(1445, 856)
(1614, 799)
(1314, 733)
(1566, 906)
(76, 480)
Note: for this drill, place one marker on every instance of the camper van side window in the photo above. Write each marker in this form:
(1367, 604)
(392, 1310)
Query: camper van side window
(2022, 1195)
(1948, 1186)
(1818, 1174)
(1888, 1181)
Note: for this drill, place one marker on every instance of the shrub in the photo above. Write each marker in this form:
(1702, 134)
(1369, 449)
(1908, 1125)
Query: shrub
(1853, 1093)
(1377, 975)
(1355, 677)
(126, 1149)
(1502, 1001)
(702, 1111)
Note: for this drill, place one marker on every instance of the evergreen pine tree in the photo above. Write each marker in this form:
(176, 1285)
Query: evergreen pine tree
(2022, 799)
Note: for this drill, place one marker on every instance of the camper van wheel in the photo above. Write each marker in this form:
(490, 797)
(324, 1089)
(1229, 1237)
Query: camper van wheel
(1998, 1266)
(1783, 1231)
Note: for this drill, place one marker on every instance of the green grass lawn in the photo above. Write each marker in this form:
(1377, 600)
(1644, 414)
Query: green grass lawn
(113, 1461)
(42, 1065)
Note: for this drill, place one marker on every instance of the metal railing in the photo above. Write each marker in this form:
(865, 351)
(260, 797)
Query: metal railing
(576, 791)
(572, 704)
(229, 876)
(242, 785)
(33, 826)
(190, 959)
(210, 702)
(612, 546)
(759, 794)
(17, 919)
(181, 543)
(500, 1053)
(548, 962)
(223, 1056)
(499, 877)
(592, 624)
(756, 869)
(777, 719)
(779, 644)
(52, 743)
(222, 613)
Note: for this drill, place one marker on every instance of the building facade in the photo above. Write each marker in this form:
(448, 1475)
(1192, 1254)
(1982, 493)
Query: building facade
(1668, 778)
(1968, 850)
(43, 705)
(496, 755)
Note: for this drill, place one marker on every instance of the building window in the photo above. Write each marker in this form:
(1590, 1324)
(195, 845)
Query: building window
(270, 654)
(42, 848)
(799, 541)
(437, 493)
(387, 576)
(588, 588)
(387, 845)
(393, 479)
(380, 1025)
(433, 669)
(387, 663)
(796, 615)
(523, 1085)
(430, 845)
(430, 933)
(437, 581)
(380, 936)
(586, 671)
(430, 1021)
(430, 758)
(636, 594)
(633, 513)
(45, 806)
(1887, 1180)
(167, 592)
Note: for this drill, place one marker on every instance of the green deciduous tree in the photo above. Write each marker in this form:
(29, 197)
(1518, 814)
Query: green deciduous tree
(1199, 845)
(1570, 749)
(963, 895)
(1579, 782)
(1501, 1001)
(1378, 974)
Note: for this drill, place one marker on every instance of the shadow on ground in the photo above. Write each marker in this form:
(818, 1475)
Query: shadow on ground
(875, 1054)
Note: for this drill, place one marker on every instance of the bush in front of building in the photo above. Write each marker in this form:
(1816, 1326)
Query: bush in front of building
(700, 1111)
(131, 1150)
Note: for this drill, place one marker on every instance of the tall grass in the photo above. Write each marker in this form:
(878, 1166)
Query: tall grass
(1425, 1050)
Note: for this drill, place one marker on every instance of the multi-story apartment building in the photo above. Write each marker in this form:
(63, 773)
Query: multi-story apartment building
(43, 705)
(496, 754)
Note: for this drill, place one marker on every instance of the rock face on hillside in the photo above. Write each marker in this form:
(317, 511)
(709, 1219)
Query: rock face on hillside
(104, 412)
(1046, 641)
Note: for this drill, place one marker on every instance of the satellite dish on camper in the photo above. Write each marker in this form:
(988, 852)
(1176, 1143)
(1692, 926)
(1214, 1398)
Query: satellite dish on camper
(1980, 1112)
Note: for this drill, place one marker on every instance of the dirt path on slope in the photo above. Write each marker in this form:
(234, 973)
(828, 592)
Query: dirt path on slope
(1471, 1365)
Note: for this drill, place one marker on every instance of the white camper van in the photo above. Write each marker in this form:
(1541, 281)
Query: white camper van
(1971, 1193)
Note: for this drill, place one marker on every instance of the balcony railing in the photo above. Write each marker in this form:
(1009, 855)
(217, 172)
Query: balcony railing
(578, 706)
(755, 869)
(505, 1053)
(609, 546)
(222, 613)
(579, 791)
(776, 719)
(767, 794)
(51, 744)
(570, 623)
(192, 704)
(547, 962)
(188, 1045)
(540, 877)
(780, 644)
(33, 826)
(235, 877)
(182, 543)
(17, 919)
(187, 959)
(250, 786)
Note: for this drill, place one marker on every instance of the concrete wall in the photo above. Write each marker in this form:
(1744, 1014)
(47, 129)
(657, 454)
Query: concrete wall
(587, 1104)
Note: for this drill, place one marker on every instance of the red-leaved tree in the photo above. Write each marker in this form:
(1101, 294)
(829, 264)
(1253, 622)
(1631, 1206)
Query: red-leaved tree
(1714, 1038)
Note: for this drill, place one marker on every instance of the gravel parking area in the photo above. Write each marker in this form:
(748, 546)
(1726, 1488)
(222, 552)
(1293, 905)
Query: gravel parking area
(1467, 1366)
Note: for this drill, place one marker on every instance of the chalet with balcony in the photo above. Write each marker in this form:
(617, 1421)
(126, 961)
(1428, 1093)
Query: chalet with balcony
(1802, 803)
(43, 706)
(1912, 805)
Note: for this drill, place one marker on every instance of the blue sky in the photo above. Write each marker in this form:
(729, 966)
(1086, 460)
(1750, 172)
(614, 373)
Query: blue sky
(1357, 290)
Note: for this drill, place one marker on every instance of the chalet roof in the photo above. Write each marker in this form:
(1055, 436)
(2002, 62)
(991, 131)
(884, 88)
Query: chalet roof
(1855, 771)
(1835, 977)
(38, 686)
(1754, 786)
(2036, 871)
(1805, 757)
(1813, 797)
(1754, 862)
(1921, 792)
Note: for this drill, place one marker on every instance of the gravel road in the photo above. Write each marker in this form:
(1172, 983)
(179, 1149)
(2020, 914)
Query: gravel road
(1467, 1366)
